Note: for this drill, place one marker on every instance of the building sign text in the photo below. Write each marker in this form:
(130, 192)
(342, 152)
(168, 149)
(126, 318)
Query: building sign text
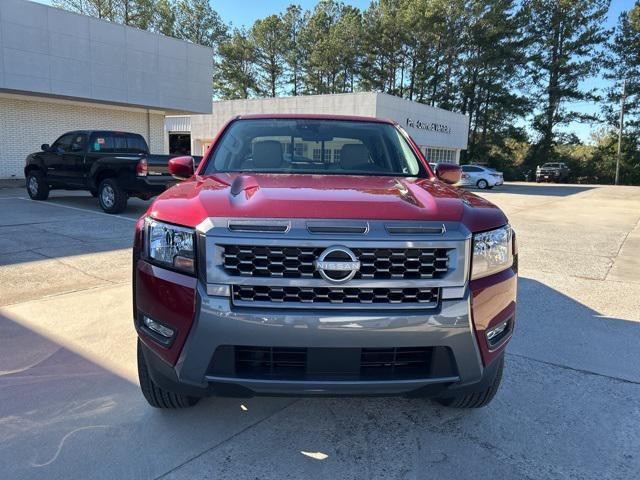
(428, 126)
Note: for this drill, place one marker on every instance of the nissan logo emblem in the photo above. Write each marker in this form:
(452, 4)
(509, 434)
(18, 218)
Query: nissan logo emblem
(337, 264)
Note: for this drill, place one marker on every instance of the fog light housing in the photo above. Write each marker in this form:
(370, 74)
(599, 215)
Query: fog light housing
(499, 332)
(159, 332)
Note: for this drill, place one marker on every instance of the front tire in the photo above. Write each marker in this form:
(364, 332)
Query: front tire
(482, 184)
(156, 396)
(37, 186)
(111, 196)
(476, 399)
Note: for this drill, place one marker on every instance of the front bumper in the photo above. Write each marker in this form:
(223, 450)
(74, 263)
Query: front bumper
(216, 323)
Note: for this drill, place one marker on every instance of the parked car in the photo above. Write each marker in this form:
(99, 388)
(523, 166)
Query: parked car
(113, 166)
(257, 275)
(552, 172)
(481, 177)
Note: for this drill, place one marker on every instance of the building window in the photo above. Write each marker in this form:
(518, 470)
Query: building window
(440, 155)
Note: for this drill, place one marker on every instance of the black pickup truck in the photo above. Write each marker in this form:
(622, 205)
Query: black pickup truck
(113, 166)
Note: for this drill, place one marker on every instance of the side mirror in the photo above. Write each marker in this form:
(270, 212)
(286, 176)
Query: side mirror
(182, 167)
(449, 173)
(44, 147)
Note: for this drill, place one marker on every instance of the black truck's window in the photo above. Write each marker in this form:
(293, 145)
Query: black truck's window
(77, 142)
(107, 142)
(136, 144)
(63, 144)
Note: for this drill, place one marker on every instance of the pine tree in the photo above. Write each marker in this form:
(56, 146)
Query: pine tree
(292, 20)
(566, 37)
(235, 72)
(623, 65)
(269, 37)
(197, 22)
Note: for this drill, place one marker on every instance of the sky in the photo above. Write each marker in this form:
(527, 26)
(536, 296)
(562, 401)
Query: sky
(245, 12)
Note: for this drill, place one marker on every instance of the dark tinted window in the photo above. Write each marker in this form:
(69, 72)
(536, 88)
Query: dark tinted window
(113, 142)
(470, 168)
(314, 146)
(136, 144)
(63, 144)
(108, 142)
(77, 142)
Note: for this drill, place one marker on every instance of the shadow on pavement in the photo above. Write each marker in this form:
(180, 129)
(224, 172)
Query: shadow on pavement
(551, 190)
(553, 327)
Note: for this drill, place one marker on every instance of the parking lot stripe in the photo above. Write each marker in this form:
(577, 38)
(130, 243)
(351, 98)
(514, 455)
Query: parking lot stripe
(53, 204)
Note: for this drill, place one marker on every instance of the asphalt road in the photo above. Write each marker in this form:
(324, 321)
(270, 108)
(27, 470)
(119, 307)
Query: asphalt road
(569, 406)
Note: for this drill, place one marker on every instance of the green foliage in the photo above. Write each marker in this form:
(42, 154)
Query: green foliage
(565, 47)
(197, 22)
(235, 74)
(269, 38)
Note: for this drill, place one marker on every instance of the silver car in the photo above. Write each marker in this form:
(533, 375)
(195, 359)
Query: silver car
(480, 176)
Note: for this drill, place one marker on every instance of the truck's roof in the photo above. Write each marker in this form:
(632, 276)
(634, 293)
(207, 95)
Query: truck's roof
(310, 116)
(103, 130)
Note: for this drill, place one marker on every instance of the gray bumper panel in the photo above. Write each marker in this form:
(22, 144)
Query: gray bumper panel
(219, 324)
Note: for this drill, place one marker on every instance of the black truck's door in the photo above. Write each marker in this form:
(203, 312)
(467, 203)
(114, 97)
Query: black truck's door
(54, 159)
(73, 160)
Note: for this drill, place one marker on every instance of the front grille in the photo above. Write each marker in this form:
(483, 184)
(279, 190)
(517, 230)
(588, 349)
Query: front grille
(392, 362)
(297, 262)
(335, 295)
(270, 361)
(293, 363)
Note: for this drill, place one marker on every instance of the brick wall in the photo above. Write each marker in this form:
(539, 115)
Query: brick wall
(28, 122)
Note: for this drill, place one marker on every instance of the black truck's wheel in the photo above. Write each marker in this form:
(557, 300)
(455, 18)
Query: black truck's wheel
(155, 395)
(476, 399)
(112, 198)
(37, 186)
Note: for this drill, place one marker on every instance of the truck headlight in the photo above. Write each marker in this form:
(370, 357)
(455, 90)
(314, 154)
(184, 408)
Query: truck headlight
(170, 246)
(492, 252)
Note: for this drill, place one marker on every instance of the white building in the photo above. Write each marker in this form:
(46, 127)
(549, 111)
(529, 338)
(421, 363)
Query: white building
(440, 134)
(61, 71)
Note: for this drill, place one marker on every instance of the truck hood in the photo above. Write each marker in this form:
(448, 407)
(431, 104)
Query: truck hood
(322, 196)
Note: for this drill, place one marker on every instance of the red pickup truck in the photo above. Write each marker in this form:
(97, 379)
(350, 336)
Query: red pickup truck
(320, 255)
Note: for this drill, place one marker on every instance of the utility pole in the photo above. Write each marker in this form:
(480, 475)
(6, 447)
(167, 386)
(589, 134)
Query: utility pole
(624, 89)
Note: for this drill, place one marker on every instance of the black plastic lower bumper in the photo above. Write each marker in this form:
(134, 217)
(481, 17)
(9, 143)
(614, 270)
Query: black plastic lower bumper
(164, 376)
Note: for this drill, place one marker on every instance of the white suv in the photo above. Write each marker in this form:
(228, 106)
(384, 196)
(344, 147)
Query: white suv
(480, 176)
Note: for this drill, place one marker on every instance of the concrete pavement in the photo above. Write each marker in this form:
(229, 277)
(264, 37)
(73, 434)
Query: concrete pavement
(569, 406)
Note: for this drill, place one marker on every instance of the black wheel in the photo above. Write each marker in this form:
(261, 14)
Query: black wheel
(37, 186)
(155, 395)
(482, 184)
(111, 197)
(476, 399)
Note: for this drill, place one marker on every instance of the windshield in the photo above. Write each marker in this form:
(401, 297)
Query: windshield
(311, 146)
